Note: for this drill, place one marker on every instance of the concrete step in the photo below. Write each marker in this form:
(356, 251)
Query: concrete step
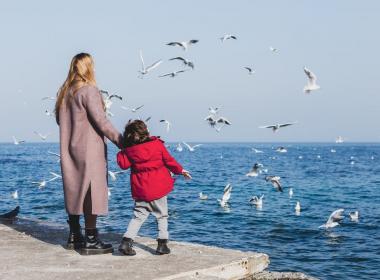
(35, 250)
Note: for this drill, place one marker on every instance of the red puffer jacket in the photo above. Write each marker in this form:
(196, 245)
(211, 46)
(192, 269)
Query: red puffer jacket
(150, 163)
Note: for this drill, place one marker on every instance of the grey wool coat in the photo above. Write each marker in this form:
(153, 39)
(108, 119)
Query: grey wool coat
(83, 126)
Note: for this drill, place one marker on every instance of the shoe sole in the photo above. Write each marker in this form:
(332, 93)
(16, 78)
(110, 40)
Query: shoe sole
(122, 251)
(88, 252)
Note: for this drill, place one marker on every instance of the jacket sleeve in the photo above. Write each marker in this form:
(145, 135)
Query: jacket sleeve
(92, 101)
(122, 160)
(170, 162)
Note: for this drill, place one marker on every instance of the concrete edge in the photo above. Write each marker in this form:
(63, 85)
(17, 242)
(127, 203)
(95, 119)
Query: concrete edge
(240, 269)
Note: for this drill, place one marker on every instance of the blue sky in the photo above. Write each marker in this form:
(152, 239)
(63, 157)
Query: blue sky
(337, 40)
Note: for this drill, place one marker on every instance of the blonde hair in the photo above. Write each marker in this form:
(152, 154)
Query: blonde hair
(81, 73)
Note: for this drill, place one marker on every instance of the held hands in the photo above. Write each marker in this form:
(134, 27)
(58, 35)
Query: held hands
(186, 174)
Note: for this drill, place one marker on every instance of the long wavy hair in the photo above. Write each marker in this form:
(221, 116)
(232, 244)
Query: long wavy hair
(135, 132)
(81, 73)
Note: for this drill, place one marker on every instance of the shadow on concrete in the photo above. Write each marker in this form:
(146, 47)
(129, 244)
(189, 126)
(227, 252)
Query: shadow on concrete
(57, 234)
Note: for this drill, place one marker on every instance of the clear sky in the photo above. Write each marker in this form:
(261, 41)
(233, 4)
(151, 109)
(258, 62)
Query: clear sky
(337, 40)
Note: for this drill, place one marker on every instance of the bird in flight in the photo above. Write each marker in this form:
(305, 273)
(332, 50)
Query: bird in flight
(184, 45)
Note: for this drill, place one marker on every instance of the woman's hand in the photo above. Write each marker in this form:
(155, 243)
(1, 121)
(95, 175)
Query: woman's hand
(186, 174)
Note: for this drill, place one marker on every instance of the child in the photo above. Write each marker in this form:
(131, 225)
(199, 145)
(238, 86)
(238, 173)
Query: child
(151, 182)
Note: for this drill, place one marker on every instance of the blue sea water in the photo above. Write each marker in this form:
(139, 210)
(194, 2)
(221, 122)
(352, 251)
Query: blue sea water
(348, 178)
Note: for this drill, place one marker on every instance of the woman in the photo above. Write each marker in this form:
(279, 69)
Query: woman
(82, 127)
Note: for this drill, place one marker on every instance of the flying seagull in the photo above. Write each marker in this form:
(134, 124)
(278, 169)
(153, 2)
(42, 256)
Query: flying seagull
(254, 171)
(168, 124)
(42, 136)
(311, 81)
(226, 196)
(146, 70)
(48, 98)
(114, 174)
(17, 142)
(275, 180)
(227, 37)
(186, 62)
(250, 70)
(276, 127)
(172, 74)
(191, 148)
(55, 154)
(203, 196)
(15, 194)
(258, 201)
(354, 216)
(134, 110)
(334, 219)
(179, 147)
(213, 111)
(257, 151)
(183, 45)
(107, 100)
(272, 49)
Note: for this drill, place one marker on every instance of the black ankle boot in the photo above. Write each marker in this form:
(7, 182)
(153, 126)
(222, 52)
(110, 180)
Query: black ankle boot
(93, 245)
(162, 247)
(126, 247)
(75, 240)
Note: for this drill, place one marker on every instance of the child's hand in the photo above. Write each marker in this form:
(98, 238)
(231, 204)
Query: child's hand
(186, 174)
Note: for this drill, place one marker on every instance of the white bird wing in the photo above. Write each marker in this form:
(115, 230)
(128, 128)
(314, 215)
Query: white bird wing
(287, 124)
(142, 61)
(187, 145)
(197, 145)
(335, 216)
(312, 79)
(267, 126)
(165, 75)
(227, 193)
(138, 108)
(55, 174)
(154, 65)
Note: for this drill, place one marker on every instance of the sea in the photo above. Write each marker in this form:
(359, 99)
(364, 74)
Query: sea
(324, 177)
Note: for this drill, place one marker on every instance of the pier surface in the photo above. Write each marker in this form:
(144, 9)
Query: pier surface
(35, 250)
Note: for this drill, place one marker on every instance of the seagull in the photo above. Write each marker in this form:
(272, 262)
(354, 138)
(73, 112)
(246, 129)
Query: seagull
(211, 120)
(275, 180)
(186, 62)
(281, 150)
(179, 147)
(146, 70)
(15, 194)
(113, 174)
(191, 148)
(109, 192)
(42, 136)
(257, 151)
(333, 150)
(17, 142)
(250, 70)
(48, 98)
(291, 193)
(334, 219)
(183, 45)
(298, 207)
(254, 171)
(49, 113)
(55, 176)
(227, 37)
(172, 74)
(134, 110)
(258, 201)
(354, 216)
(42, 183)
(203, 196)
(226, 196)
(311, 82)
(168, 124)
(273, 49)
(276, 127)
(107, 100)
(55, 154)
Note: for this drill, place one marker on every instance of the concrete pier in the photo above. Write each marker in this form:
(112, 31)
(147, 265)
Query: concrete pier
(35, 250)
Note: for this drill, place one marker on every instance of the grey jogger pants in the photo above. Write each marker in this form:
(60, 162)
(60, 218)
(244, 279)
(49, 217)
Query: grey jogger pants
(141, 211)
